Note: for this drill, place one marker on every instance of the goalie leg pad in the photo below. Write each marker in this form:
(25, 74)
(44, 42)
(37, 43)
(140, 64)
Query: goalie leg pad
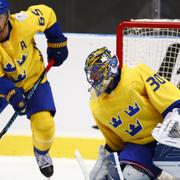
(99, 171)
(131, 172)
(168, 159)
(112, 167)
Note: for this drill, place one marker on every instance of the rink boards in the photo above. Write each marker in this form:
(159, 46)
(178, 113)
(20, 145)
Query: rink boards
(63, 147)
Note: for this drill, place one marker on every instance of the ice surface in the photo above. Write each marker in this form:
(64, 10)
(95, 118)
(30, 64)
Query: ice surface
(25, 168)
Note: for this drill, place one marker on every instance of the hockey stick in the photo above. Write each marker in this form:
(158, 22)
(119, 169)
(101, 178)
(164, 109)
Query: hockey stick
(118, 166)
(82, 164)
(84, 168)
(29, 96)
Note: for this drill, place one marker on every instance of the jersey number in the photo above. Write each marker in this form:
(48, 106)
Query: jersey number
(155, 81)
(38, 13)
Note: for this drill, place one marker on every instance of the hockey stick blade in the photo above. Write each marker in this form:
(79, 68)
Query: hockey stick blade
(14, 116)
(9, 123)
(81, 164)
(95, 127)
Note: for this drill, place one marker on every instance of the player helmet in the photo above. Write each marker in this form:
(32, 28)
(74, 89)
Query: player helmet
(100, 69)
(4, 6)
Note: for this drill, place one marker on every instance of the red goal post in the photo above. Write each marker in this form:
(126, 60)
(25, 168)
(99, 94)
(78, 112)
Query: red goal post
(153, 42)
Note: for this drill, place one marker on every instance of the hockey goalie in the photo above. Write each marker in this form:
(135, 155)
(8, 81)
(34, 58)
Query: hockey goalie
(138, 112)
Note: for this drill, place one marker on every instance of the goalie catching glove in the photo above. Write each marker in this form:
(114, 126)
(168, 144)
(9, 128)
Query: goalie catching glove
(168, 132)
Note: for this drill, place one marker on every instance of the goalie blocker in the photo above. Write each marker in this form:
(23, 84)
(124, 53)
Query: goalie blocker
(168, 159)
(167, 152)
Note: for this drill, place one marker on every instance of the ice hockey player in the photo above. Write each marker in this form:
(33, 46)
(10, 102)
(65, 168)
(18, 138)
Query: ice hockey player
(128, 104)
(21, 64)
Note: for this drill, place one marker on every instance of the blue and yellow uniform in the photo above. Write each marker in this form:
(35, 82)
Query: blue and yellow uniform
(21, 64)
(134, 108)
(128, 114)
(20, 59)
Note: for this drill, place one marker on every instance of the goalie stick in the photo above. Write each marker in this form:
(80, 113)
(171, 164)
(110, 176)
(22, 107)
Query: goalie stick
(84, 168)
(81, 164)
(118, 166)
(29, 96)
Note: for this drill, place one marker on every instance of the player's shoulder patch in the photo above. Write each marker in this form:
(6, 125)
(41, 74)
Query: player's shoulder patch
(21, 16)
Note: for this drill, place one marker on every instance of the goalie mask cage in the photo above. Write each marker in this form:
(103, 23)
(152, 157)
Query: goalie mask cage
(152, 42)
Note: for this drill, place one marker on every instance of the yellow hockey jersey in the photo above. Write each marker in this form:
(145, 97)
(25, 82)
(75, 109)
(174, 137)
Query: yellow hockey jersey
(20, 59)
(133, 109)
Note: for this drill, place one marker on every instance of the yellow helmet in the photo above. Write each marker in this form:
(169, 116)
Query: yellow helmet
(100, 69)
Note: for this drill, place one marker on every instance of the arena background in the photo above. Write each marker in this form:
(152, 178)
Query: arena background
(102, 16)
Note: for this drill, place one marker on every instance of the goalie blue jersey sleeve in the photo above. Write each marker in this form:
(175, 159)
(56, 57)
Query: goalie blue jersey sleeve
(134, 108)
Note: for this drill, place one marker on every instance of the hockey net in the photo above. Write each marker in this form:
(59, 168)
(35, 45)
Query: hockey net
(152, 42)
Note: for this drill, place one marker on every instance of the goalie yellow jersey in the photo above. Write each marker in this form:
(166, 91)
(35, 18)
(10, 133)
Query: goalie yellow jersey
(134, 108)
(20, 59)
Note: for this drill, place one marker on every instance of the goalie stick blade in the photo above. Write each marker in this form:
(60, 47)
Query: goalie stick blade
(81, 164)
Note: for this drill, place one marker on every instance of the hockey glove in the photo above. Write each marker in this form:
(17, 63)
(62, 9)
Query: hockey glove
(168, 132)
(16, 98)
(57, 50)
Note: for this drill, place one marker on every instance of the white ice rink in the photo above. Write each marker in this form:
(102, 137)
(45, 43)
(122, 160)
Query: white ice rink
(25, 168)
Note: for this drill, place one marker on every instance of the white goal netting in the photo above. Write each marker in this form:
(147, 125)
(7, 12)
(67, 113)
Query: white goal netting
(155, 43)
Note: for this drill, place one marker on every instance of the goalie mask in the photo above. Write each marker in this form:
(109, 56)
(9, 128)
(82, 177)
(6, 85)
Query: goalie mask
(100, 69)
